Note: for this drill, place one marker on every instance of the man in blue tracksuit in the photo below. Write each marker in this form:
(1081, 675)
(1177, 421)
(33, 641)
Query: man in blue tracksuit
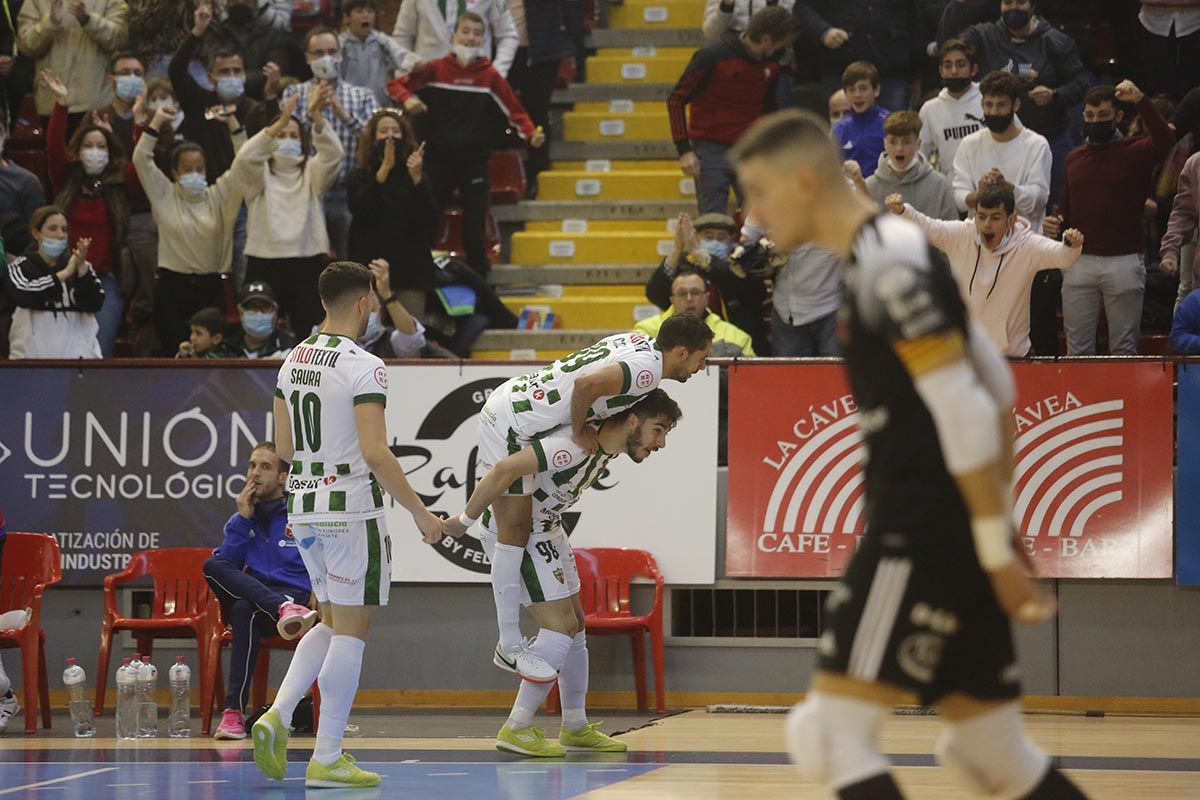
(259, 579)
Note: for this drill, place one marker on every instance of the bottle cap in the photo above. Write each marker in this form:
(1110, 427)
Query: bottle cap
(137, 656)
(126, 661)
(178, 659)
(70, 662)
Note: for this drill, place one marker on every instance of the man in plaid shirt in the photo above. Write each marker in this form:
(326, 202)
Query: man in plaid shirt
(348, 115)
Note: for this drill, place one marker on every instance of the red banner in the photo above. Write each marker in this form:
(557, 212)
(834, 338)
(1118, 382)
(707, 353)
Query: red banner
(1092, 470)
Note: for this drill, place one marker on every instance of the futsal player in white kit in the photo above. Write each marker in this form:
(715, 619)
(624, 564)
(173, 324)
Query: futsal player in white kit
(329, 423)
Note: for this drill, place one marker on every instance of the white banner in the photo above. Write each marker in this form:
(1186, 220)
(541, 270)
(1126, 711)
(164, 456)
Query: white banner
(667, 504)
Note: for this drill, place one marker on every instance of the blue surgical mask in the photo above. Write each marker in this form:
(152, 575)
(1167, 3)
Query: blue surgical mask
(53, 248)
(231, 87)
(716, 248)
(258, 324)
(193, 182)
(288, 147)
(129, 87)
(374, 329)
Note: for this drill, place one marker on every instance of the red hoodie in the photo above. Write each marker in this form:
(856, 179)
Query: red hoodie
(468, 106)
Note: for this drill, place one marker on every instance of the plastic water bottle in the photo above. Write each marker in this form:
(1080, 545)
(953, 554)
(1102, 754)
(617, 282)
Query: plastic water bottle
(147, 687)
(77, 702)
(126, 700)
(179, 723)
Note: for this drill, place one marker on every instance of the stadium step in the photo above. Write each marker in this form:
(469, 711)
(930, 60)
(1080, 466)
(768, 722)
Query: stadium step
(506, 275)
(618, 312)
(598, 225)
(588, 209)
(613, 151)
(616, 185)
(604, 247)
(603, 38)
(502, 345)
(623, 69)
(606, 126)
(604, 92)
(608, 165)
(656, 14)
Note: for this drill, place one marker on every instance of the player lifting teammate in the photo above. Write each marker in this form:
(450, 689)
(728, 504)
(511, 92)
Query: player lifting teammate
(329, 422)
(577, 391)
(923, 609)
(561, 469)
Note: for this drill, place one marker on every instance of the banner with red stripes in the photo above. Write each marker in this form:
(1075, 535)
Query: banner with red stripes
(1092, 470)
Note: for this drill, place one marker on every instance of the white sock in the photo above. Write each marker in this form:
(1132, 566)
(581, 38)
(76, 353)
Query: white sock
(553, 647)
(5, 683)
(339, 683)
(306, 664)
(506, 590)
(573, 684)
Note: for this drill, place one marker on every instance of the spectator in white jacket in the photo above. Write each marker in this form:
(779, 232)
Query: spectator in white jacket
(733, 15)
(424, 29)
(993, 258)
(1004, 150)
(284, 185)
(957, 110)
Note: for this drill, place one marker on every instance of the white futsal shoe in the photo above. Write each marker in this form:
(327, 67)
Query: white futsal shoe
(530, 666)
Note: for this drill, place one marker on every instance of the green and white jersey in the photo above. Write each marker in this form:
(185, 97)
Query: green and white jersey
(564, 471)
(321, 381)
(541, 401)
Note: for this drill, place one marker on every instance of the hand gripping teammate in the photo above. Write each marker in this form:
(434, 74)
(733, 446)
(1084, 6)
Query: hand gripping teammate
(579, 391)
(329, 424)
(924, 607)
(561, 469)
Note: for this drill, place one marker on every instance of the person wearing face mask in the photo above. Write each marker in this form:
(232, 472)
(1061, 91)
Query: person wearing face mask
(259, 334)
(75, 39)
(283, 186)
(903, 169)
(1046, 62)
(424, 30)
(1109, 180)
(268, 52)
(87, 176)
(56, 292)
(705, 245)
(349, 110)
(689, 295)
(839, 107)
(994, 258)
(464, 106)
(728, 85)
(195, 222)
(957, 110)
(392, 208)
(391, 332)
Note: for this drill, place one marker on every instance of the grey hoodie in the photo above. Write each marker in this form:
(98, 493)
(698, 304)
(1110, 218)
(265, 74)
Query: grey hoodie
(922, 187)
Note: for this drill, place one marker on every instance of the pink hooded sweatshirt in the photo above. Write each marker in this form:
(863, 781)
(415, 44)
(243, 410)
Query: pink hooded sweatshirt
(995, 284)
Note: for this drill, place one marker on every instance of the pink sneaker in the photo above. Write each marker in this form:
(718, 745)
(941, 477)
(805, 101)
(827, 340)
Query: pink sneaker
(295, 620)
(233, 725)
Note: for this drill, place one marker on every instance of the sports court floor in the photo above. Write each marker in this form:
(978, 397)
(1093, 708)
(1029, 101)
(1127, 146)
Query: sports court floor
(694, 756)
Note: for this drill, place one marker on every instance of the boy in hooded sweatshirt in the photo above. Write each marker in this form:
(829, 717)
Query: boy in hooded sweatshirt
(957, 110)
(993, 258)
(463, 101)
(904, 170)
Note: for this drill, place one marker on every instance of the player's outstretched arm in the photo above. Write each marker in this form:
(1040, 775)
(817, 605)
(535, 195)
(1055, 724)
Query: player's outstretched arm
(604, 382)
(493, 485)
(284, 447)
(372, 437)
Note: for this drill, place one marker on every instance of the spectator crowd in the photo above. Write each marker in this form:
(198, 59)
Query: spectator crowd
(203, 160)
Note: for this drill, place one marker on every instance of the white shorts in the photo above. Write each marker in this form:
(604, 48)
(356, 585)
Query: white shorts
(548, 569)
(498, 440)
(349, 563)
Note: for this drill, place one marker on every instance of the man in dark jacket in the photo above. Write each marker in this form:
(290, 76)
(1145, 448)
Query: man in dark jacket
(257, 575)
(865, 30)
(267, 52)
(1047, 61)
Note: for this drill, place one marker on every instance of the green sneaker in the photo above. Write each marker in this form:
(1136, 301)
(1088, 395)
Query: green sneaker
(342, 773)
(589, 737)
(270, 745)
(528, 742)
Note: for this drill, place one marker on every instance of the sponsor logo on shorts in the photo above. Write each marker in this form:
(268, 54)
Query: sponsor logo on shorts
(561, 459)
(644, 379)
(381, 376)
(919, 656)
(558, 576)
(340, 579)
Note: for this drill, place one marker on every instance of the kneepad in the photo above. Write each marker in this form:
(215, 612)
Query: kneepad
(806, 742)
(991, 755)
(833, 739)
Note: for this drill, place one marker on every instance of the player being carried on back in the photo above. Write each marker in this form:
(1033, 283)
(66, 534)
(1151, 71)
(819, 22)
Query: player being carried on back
(560, 470)
(922, 613)
(578, 391)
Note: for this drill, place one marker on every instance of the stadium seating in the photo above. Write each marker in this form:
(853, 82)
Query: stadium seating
(31, 563)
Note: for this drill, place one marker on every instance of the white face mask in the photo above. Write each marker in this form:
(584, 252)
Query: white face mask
(94, 160)
(325, 68)
(465, 53)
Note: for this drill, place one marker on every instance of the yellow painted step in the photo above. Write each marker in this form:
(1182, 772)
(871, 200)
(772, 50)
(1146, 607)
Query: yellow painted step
(641, 185)
(611, 290)
(605, 165)
(656, 14)
(594, 126)
(626, 69)
(642, 53)
(604, 247)
(543, 356)
(585, 312)
(622, 106)
(603, 226)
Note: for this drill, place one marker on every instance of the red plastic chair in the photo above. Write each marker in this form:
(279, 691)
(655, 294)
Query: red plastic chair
(449, 235)
(183, 607)
(258, 682)
(605, 574)
(26, 144)
(506, 175)
(31, 563)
